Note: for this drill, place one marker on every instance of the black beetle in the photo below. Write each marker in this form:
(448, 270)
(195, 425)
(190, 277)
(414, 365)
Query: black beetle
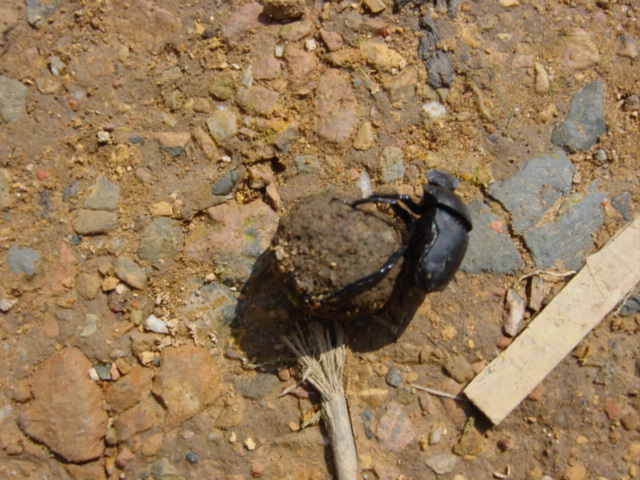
(438, 234)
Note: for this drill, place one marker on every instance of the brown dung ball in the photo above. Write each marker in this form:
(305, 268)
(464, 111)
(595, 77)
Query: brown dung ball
(324, 245)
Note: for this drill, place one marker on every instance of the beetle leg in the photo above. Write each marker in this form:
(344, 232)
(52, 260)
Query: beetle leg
(369, 281)
(392, 200)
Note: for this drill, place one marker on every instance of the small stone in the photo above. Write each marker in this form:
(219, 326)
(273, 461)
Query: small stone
(394, 430)
(257, 469)
(5, 305)
(471, 444)
(161, 209)
(6, 199)
(575, 472)
(612, 409)
(109, 284)
(374, 396)
(95, 222)
(23, 260)
(381, 56)
(222, 124)
(283, 9)
(442, 463)
(391, 165)
(434, 110)
(631, 103)
(250, 444)
(130, 273)
(458, 368)
(257, 100)
(162, 238)
(156, 325)
(336, 107)
(365, 137)
(192, 458)
(393, 377)
(206, 144)
(542, 79)
(628, 46)
(152, 445)
(374, 6)
(38, 13)
(578, 51)
(226, 183)
(333, 40)
(12, 99)
(104, 196)
(302, 67)
(222, 87)
(585, 122)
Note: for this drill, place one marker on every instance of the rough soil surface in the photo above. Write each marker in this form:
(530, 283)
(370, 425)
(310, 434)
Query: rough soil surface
(323, 245)
(148, 149)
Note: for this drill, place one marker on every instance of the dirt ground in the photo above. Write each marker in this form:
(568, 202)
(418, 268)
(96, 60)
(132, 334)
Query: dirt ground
(140, 92)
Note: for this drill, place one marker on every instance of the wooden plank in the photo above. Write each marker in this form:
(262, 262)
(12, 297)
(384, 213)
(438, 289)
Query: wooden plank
(607, 277)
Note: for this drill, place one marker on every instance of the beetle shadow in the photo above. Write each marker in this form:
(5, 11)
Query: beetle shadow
(264, 314)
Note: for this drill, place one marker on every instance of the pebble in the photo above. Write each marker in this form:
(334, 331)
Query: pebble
(192, 458)
(374, 396)
(226, 183)
(530, 192)
(365, 137)
(570, 236)
(575, 472)
(393, 377)
(95, 222)
(378, 54)
(303, 67)
(66, 411)
(458, 368)
(257, 100)
(585, 122)
(489, 250)
(442, 463)
(5, 305)
(6, 199)
(578, 51)
(622, 203)
(186, 382)
(374, 6)
(628, 47)
(163, 469)
(434, 110)
(439, 70)
(631, 103)
(222, 124)
(391, 165)
(161, 239)
(156, 325)
(161, 209)
(130, 273)
(283, 10)
(222, 87)
(23, 260)
(471, 444)
(395, 430)
(104, 196)
(542, 79)
(257, 388)
(600, 156)
(129, 390)
(335, 107)
(513, 313)
(333, 40)
(206, 144)
(13, 96)
(38, 13)
(630, 306)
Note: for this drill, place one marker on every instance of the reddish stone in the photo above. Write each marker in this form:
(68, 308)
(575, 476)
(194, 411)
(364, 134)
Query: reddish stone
(612, 409)
(394, 430)
(129, 390)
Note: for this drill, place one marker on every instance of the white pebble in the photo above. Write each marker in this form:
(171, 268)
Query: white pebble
(154, 324)
(310, 44)
(247, 77)
(279, 50)
(434, 110)
(364, 183)
(93, 375)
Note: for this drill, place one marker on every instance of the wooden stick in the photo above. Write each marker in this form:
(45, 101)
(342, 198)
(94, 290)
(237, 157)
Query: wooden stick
(606, 278)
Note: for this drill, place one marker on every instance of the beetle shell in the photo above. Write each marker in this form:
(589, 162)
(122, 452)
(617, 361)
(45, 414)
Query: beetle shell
(442, 250)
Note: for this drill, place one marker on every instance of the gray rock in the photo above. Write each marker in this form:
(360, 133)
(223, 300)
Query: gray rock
(442, 463)
(130, 273)
(104, 196)
(222, 124)
(257, 388)
(257, 100)
(226, 183)
(585, 122)
(163, 469)
(211, 307)
(489, 250)
(38, 12)
(13, 96)
(439, 70)
(162, 238)
(622, 203)
(393, 377)
(287, 138)
(6, 199)
(631, 306)
(95, 222)
(534, 188)
(569, 237)
(23, 260)
(391, 165)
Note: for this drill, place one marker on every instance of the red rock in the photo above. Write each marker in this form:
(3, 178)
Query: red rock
(129, 390)
(173, 139)
(42, 174)
(257, 469)
(303, 69)
(138, 419)
(124, 457)
(187, 382)
(336, 107)
(394, 429)
(243, 20)
(612, 409)
(66, 412)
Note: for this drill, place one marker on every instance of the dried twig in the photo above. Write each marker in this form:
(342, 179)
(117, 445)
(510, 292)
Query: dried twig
(323, 363)
(439, 393)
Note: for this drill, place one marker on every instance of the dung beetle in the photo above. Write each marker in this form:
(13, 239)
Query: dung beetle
(438, 234)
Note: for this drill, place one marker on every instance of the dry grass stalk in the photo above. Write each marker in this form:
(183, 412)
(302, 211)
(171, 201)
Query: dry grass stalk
(323, 362)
